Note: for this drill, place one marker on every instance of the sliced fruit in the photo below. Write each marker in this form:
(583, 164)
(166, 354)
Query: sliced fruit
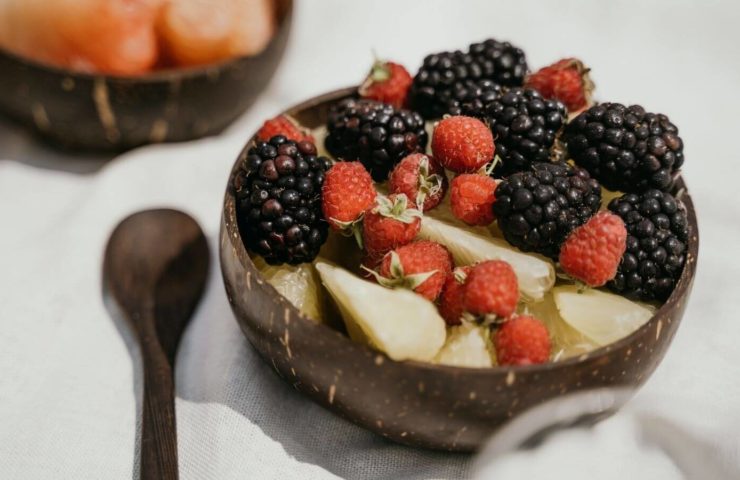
(566, 341)
(600, 316)
(398, 322)
(536, 274)
(300, 284)
(467, 345)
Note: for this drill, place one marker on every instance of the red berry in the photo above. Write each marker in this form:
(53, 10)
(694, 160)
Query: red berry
(391, 223)
(387, 82)
(453, 294)
(491, 289)
(421, 178)
(462, 144)
(522, 340)
(592, 252)
(286, 126)
(419, 266)
(347, 193)
(472, 197)
(566, 80)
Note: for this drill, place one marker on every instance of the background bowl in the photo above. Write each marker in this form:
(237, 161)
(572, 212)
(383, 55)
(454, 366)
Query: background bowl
(419, 404)
(104, 112)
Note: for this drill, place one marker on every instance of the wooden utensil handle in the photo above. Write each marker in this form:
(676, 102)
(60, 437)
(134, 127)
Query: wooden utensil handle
(158, 430)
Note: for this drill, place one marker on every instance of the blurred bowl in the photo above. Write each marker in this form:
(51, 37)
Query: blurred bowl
(106, 112)
(415, 403)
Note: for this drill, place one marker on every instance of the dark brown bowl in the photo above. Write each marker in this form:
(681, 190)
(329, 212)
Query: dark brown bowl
(104, 112)
(419, 404)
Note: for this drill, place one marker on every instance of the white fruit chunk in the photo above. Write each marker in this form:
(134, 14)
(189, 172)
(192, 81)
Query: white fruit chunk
(467, 345)
(600, 316)
(566, 341)
(398, 322)
(299, 284)
(536, 275)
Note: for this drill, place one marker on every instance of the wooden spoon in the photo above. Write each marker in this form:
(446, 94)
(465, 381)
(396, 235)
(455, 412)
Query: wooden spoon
(155, 267)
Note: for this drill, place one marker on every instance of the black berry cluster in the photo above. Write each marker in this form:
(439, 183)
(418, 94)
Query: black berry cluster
(278, 200)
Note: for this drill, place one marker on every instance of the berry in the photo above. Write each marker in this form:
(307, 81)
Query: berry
(387, 82)
(566, 80)
(451, 300)
(347, 192)
(625, 148)
(491, 289)
(278, 202)
(421, 178)
(389, 224)
(462, 144)
(522, 340)
(657, 233)
(593, 251)
(472, 197)
(374, 133)
(285, 126)
(419, 266)
(524, 126)
(537, 209)
(448, 77)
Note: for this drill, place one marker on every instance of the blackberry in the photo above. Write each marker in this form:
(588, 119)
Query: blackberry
(538, 208)
(625, 148)
(374, 133)
(278, 200)
(443, 76)
(657, 233)
(524, 126)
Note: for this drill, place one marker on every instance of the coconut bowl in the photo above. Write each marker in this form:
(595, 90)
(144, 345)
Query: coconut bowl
(106, 112)
(415, 403)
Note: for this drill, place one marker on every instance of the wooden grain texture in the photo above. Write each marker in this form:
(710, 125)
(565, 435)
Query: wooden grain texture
(155, 267)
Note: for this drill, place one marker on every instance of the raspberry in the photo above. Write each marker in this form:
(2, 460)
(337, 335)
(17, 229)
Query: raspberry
(389, 224)
(566, 80)
(285, 126)
(453, 294)
(347, 193)
(593, 251)
(421, 178)
(491, 289)
(462, 144)
(522, 340)
(472, 197)
(387, 82)
(420, 266)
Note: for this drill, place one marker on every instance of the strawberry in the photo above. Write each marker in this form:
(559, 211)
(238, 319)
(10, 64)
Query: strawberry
(491, 290)
(286, 126)
(419, 266)
(387, 82)
(347, 193)
(420, 178)
(472, 197)
(592, 252)
(522, 340)
(389, 224)
(453, 293)
(566, 80)
(462, 144)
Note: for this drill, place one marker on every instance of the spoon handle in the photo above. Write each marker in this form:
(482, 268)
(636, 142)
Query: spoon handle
(158, 431)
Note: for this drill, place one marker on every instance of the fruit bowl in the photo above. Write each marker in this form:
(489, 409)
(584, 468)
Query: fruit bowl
(105, 112)
(415, 403)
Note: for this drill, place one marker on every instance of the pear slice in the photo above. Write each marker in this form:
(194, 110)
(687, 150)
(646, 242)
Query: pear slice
(300, 284)
(467, 345)
(536, 275)
(600, 316)
(398, 322)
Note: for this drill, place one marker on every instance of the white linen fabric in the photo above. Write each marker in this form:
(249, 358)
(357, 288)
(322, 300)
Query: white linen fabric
(69, 372)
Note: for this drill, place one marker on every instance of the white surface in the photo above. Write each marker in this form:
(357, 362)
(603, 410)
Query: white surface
(68, 385)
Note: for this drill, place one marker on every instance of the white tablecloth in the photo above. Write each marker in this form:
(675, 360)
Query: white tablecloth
(69, 378)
